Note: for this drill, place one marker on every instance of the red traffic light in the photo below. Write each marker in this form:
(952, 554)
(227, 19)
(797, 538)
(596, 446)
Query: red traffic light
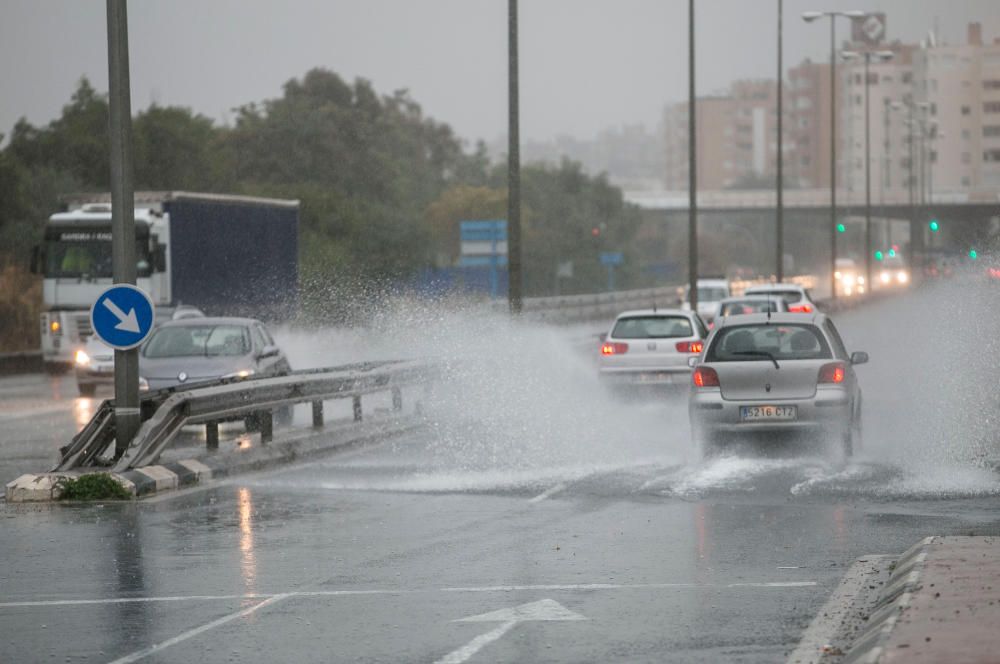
(595, 231)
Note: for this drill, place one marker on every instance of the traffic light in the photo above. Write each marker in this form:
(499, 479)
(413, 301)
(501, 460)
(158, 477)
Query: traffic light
(973, 254)
(934, 225)
(878, 255)
(841, 228)
(892, 253)
(595, 232)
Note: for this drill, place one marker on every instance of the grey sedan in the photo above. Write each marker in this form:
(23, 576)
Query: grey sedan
(199, 349)
(772, 374)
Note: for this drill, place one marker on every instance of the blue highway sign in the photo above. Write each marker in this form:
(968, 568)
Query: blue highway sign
(122, 316)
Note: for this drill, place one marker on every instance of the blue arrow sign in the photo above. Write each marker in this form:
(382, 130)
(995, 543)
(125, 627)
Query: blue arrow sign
(122, 316)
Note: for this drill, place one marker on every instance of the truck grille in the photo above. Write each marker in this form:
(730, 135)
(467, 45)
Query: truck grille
(83, 328)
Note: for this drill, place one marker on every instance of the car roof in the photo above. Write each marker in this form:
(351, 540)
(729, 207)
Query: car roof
(208, 321)
(745, 298)
(775, 319)
(655, 312)
(763, 288)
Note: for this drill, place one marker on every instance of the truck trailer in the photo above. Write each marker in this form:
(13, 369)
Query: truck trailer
(227, 255)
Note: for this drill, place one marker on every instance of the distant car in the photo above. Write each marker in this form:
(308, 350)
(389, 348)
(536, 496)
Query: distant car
(785, 373)
(651, 347)
(94, 363)
(796, 297)
(849, 279)
(892, 272)
(192, 350)
(750, 304)
(710, 293)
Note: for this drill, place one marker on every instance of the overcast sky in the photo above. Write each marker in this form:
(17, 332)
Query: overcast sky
(585, 64)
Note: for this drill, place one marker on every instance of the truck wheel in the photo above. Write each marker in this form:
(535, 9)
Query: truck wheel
(86, 389)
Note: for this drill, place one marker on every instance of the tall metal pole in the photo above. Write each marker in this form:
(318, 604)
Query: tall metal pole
(833, 157)
(779, 247)
(868, 182)
(513, 166)
(122, 216)
(692, 171)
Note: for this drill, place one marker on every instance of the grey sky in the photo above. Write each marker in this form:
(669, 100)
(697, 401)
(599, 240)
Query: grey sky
(586, 64)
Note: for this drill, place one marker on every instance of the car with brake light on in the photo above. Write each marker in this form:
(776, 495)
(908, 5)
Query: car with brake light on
(750, 304)
(796, 297)
(651, 347)
(774, 374)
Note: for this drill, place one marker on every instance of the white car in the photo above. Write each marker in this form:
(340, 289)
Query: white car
(750, 304)
(710, 293)
(652, 347)
(796, 297)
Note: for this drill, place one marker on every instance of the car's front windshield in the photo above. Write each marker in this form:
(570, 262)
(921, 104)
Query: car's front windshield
(652, 327)
(745, 343)
(198, 340)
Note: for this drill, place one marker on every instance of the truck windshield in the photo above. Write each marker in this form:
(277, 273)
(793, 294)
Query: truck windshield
(75, 259)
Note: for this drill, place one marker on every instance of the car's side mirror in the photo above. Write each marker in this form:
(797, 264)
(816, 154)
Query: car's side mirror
(693, 361)
(859, 357)
(269, 351)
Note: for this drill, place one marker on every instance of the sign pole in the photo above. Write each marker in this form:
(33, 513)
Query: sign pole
(513, 166)
(122, 216)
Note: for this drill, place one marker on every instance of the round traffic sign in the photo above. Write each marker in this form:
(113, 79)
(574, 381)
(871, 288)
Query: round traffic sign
(122, 316)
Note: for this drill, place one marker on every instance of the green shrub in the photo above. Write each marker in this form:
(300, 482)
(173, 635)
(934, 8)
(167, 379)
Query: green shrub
(96, 486)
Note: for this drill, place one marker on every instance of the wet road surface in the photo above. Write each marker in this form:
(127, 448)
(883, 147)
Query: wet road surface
(646, 552)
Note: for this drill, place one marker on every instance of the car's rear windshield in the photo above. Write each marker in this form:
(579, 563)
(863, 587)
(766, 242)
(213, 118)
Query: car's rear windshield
(749, 307)
(789, 296)
(198, 340)
(742, 343)
(711, 293)
(652, 327)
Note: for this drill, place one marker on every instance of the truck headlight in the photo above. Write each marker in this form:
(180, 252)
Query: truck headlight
(81, 358)
(55, 327)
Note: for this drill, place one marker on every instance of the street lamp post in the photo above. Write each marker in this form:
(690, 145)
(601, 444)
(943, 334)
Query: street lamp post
(868, 56)
(692, 171)
(809, 17)
(779, 220)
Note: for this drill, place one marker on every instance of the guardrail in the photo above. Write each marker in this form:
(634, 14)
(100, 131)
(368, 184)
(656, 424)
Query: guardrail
(165, 412)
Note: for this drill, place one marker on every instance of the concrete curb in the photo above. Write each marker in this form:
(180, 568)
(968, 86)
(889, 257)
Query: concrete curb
(299, 445)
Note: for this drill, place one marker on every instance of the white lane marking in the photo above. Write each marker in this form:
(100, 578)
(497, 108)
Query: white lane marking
(404, 591)
(830, 617)
(548, 493)
(542, 610)
(476, 644)
(145, 652)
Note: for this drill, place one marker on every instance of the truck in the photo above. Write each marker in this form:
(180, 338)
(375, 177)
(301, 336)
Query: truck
(227, 255)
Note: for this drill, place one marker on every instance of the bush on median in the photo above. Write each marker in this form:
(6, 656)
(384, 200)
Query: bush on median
(96, 486)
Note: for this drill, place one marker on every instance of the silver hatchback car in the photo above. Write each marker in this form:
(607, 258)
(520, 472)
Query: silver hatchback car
(778, 373)
(651, 347)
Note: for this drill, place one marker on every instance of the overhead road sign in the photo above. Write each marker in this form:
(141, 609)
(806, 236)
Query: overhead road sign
(122, 316)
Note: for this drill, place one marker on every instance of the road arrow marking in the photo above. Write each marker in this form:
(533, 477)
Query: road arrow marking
(545, 609)
(127, 322)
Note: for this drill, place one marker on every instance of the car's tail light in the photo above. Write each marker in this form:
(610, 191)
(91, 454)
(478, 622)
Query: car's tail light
(834, 372)
(689, 346)
(800, 308)
(705, 377)
(614, 348)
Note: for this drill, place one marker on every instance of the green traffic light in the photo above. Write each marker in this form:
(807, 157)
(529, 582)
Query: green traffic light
(878, 255)
(934, 226)
(973, 254)
(892, 253)
(841, 228)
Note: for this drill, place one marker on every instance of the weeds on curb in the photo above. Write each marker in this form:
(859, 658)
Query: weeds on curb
(96, 486)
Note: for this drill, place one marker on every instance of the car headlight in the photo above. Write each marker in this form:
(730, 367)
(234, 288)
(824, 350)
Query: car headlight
(861, 281)
(902, 277)
(885, 277)
(243, 373)
(81, 358)
(143, 384)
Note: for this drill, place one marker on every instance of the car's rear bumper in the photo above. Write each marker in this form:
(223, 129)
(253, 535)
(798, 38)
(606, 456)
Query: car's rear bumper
(679, 376)
(827, 410)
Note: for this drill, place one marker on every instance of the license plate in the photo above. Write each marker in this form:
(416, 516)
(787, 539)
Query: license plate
(767, 413)
(655, 378)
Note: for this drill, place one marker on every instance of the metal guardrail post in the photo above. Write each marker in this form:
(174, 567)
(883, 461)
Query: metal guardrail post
(357, 408)
(212, 435)
(317, 408)
(397, 398)
(266, 419)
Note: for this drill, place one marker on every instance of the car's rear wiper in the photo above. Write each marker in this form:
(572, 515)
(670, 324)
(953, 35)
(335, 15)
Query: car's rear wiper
(759, 353)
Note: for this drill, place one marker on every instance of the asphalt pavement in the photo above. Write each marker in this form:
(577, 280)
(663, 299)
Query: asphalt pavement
(534, 519)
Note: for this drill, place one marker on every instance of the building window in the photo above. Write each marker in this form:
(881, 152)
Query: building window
(933, 109)
(993, 84)
(907, 77)
(966, 134)
(991, 107)
(967, 158)
(991, 155)
(933, 156)
(966, 110)
(966, 182)
(988, 130)
(857, 100)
